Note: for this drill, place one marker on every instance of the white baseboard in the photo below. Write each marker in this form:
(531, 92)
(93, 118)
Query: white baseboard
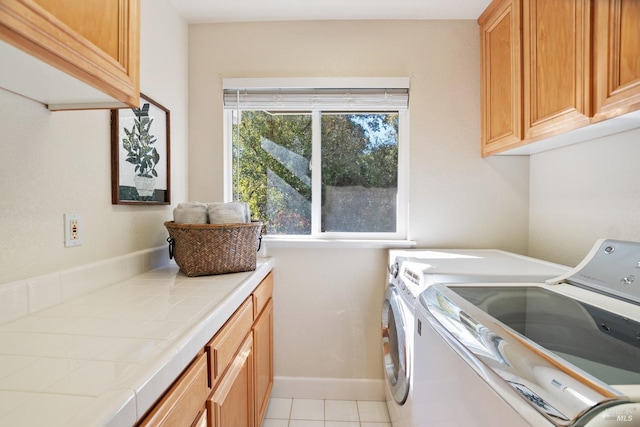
(328, 388)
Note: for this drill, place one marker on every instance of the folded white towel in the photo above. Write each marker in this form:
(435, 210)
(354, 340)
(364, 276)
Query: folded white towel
(190, 213)
(229, 213)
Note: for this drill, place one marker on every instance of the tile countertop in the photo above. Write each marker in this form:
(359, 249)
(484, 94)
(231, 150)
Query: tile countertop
(103, 358)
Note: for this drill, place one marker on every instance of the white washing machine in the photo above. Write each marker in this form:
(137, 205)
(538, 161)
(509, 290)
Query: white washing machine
(410, 273)
(561, 352)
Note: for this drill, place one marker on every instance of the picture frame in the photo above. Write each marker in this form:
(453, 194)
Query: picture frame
(140, 154)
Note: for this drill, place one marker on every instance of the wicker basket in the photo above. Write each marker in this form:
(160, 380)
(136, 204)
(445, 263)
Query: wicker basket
(203, 249)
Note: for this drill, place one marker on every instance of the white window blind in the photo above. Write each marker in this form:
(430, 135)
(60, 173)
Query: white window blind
(317, 94)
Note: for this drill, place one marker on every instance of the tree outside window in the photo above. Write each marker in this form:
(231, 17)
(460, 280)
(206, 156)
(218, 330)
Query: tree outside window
(359, 170)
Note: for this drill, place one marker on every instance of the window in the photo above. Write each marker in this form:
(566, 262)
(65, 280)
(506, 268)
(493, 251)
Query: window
(320, 162)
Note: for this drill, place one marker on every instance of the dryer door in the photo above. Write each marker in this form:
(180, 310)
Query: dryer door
(394, 345)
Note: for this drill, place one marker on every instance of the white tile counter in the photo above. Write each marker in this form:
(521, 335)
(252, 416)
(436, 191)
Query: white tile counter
(103, 358)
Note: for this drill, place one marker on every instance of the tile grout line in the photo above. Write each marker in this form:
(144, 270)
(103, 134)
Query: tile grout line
(324, 420)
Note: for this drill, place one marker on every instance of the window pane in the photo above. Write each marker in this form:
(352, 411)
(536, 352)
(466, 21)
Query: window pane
(271, 171)
(359, 172)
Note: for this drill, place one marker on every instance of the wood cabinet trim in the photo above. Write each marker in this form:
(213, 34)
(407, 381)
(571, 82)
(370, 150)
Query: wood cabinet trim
(262, 295)
(203, 420)
(224, 345)
(242, 361)
(185, 399)
(495, 14)
(263, 358)
(591, 74)
(612, 98)
(29, 27)
(539, 124)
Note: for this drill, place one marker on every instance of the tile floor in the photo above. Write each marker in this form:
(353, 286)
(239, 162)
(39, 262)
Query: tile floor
(325, 413)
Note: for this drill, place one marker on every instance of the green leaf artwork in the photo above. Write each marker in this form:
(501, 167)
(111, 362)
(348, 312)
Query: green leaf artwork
(139, 144)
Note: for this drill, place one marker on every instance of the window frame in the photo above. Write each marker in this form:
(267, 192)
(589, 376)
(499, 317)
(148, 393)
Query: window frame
(381, 239)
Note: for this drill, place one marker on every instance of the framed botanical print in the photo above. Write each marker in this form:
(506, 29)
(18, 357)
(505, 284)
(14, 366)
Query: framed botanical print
(140, 161)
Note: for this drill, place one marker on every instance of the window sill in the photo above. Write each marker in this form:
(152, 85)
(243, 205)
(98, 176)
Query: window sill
(307, 242)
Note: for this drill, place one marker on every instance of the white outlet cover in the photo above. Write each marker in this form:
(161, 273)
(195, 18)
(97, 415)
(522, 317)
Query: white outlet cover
(72, 230)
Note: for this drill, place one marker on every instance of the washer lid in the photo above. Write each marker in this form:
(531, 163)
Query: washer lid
(418, 269)
(600, 342)
(516, 366)
(612, 267)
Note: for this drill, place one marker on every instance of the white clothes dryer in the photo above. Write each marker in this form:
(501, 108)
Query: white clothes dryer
(414, 270)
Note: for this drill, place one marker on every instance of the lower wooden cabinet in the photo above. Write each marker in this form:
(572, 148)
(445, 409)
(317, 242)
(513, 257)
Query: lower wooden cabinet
(228, 384)
(231, 404)
(223, 347)
(202, 421)
(183, 403)
(263, 361)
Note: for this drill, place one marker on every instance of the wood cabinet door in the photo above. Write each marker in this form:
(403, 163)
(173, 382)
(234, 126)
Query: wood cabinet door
(501, 82)
(557, 55)
(263, 359)
(95, 41)
(616, 66)
(262, 294)
(202, 421)
(99, 21)
(231, 404)
(224, 345)
(183, 403)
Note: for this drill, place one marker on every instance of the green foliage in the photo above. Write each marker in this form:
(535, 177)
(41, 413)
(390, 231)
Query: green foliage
(357, 150)
(351, 153)
(292, 132)
(138, 144)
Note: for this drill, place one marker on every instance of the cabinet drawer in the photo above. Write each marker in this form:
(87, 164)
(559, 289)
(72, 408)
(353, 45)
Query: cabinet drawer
(231, 403)
(226, 342)
(262, 295)
(184, 400)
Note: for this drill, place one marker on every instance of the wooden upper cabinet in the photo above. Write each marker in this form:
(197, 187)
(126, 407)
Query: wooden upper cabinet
(501, 90)
(549, 67)
(557, 58)
(96, 20)
(617, 58)
(72, 54)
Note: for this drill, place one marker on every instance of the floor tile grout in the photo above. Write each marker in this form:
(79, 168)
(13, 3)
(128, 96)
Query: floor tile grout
(314, 413)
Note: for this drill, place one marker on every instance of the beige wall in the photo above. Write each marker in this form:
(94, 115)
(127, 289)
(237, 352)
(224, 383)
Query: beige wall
(582, 193)
(456, 197)
(52, 163)
(327, 301)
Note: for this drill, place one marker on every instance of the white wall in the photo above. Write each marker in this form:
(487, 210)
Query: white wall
(327, 301)
(52, 163)
(582, 193)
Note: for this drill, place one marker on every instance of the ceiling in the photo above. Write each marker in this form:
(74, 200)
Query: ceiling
(199, 11)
